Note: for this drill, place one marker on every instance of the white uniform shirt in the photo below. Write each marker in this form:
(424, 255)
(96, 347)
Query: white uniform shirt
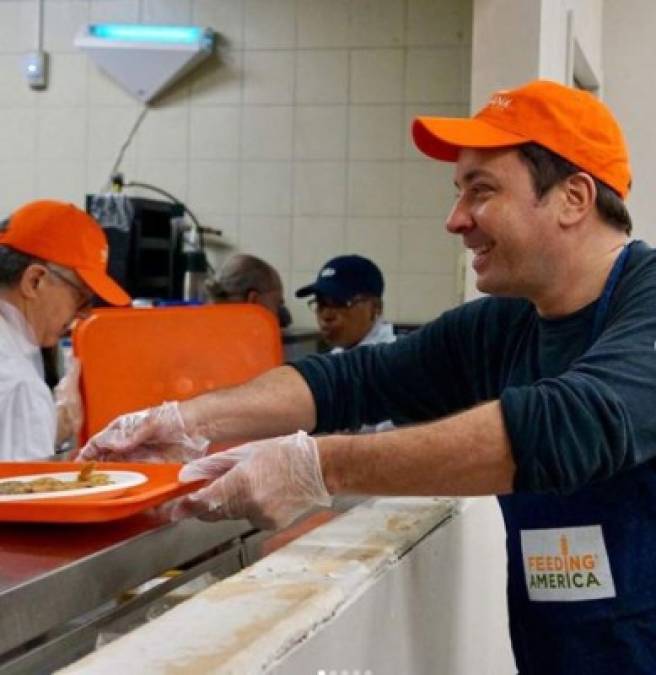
(381, 331)
(28, 419)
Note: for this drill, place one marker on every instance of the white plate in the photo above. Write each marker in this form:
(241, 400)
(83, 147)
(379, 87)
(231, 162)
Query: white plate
(121, 481)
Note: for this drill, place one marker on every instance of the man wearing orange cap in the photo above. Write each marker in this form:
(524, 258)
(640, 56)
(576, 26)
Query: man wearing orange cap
(53, 261)
(542, 393)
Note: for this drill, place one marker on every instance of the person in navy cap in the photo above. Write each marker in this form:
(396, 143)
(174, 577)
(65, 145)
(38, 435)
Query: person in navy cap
(348, 302)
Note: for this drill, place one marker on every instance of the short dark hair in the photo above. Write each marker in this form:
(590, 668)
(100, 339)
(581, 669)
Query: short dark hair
(548, 168)
(12, 262)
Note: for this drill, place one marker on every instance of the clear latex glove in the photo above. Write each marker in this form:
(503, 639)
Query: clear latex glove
(270, 482)
(69, 402)
(155, 435)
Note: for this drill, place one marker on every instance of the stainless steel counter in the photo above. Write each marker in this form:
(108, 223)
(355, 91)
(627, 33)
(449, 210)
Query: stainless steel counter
(60, 585)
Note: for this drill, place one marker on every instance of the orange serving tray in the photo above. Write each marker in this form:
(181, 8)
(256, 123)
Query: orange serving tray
(162, 485)
(136, 358)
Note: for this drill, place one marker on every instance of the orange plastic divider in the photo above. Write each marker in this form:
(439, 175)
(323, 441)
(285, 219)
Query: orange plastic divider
(134, 358)
(161, 486)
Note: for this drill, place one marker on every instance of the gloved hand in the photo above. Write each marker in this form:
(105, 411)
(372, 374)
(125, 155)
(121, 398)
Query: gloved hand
(69, 403)
(270, 482)
(155, 435)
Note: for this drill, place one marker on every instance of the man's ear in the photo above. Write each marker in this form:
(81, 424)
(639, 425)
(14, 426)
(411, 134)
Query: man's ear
(252, 297)
(32, 278)
(579, 193)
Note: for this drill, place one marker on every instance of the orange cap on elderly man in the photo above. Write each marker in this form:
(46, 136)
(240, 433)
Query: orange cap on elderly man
(63, 234)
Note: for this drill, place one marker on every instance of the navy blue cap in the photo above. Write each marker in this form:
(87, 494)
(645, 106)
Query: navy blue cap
(344, 277)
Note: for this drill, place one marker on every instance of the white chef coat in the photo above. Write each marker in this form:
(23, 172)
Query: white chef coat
(28, 418)
(381, 331)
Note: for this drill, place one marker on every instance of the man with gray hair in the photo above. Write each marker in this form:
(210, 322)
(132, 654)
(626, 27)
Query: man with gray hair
(53, 260)
(247, 278)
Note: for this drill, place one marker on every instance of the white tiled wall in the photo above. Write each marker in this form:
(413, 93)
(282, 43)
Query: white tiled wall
(294, 139)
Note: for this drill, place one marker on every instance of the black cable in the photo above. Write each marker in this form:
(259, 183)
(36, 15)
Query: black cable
(116, 179)
(127, 142)
(175, 200)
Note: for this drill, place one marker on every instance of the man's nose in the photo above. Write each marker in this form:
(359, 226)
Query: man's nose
(459, 219)
(326, 313)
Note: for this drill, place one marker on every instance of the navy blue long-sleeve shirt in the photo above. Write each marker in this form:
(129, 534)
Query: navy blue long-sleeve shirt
(575, 414)
(581, 418)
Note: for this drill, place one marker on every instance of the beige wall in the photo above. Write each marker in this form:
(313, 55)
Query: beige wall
(296, 144)
(518, 40)
(629, 61)
(515, 41)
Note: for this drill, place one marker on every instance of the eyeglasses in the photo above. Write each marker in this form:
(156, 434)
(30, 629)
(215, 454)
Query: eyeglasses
(86, 298)
(319, 304)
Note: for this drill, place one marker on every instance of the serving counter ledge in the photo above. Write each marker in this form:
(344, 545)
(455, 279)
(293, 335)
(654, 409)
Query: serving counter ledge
(253, 621)
(61, 585)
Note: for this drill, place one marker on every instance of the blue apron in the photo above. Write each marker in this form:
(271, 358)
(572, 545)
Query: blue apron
(582, 568)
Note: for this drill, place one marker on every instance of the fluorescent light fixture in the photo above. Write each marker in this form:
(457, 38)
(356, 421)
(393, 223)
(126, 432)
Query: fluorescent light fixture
(145, 59)
(139, 33)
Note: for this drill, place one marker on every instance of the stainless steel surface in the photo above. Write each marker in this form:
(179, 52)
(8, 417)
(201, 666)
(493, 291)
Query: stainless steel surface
(61, 586)
(52, 574)
(79, 638)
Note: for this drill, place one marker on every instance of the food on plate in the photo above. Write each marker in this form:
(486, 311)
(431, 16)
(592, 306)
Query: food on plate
(87, 478)
(86, 471)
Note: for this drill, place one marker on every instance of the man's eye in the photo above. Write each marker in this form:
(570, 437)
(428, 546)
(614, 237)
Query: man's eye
(480, 190)
(473, 191)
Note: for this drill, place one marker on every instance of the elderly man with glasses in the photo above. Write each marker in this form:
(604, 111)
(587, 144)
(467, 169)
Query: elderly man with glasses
(348, 302)
(53, 260)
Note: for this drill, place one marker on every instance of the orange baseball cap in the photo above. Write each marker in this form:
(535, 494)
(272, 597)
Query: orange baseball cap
(63, 234)
(570, 122)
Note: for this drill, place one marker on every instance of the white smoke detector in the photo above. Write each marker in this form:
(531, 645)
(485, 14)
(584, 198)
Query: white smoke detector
(145, 59)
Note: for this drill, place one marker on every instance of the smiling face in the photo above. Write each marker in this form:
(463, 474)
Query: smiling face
(512, 234)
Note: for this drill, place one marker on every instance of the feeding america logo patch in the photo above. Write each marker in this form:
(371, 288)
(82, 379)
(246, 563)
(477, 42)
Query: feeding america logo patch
(566, 564)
